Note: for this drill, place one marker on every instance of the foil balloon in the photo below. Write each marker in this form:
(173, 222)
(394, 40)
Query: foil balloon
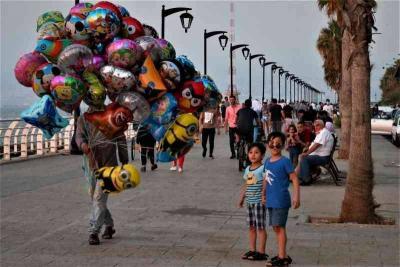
(42, 78)
(52, 49)
(131, 28)
(97, 62)
(77, 29)
(113, 121)
(150, 47)
(167, 50)
(51, 31)
(75, 59)
(43, 114)
(67, 91)
(124, 11)
(188, 67)
(96, 93)
(162, 112)
(171, 73)
(190, 97)
(117, 178)
(117, 79)
(212, 96)
(150, 31)
(178, 137)
(136, 103)
(124, 53)
(151, 84)
(103, 24)
(108, 6)
(81, 10)
(50, 17)
(26, 67)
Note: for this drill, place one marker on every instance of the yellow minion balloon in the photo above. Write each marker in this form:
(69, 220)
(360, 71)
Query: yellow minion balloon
(118, 178)
(178, 137)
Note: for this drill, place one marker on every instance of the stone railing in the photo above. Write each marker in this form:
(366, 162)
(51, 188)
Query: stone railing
(21, 140)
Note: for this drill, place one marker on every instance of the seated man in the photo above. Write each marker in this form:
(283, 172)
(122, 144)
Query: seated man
(318, 153)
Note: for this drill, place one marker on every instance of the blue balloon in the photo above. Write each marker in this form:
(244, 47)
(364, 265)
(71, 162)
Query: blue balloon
(212, 95)
(189, 70)
(43, 114)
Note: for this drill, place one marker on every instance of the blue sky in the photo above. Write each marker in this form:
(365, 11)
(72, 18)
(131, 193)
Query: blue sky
(285, 31)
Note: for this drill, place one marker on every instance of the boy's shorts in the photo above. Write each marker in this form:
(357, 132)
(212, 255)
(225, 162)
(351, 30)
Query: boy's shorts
(277, 216)
(256, 216)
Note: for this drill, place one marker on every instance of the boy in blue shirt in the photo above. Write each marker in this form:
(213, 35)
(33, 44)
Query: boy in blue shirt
(252, 190)
(278, 171)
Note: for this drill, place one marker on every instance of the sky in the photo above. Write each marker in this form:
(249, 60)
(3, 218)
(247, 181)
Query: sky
(285, 31)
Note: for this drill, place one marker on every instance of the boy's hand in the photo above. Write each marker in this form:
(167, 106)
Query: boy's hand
(296, 202)
(263, 201)
(240, 204)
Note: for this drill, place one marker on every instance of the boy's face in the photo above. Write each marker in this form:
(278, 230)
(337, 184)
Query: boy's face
(300, 128)
(275, 145)
(255, 155)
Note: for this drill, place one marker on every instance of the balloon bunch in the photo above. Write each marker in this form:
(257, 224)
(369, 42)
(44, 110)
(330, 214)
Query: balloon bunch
(100, 51)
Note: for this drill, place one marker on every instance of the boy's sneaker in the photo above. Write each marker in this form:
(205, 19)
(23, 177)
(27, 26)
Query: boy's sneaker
(108, 232)
(276, 261)
(94, 239)
(153, 167)
(143, 169)
(173, 168)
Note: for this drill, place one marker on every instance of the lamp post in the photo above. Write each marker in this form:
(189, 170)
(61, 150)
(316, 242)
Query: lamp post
(279, 83)
(292, 77)
(264, 65)
(273, 68)
(223, 41)
(186, 18)
(250, 59)
(286, 77)
(245, 52)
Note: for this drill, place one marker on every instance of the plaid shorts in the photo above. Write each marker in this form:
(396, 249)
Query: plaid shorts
(256, 215)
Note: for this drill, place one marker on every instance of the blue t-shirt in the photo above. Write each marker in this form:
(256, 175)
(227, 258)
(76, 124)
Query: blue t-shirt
(254, 180)
(277, 177)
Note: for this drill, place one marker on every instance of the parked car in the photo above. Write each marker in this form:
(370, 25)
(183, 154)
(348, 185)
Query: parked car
(382, 124)
(396, 128)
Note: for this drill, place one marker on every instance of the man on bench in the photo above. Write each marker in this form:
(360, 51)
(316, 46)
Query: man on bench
(318, 153)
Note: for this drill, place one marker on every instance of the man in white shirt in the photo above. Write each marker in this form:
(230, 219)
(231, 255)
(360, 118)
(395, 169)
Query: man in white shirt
(328, 108)
(318, 153)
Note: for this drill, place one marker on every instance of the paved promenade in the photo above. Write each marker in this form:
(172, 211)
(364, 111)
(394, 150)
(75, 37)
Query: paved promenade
(187, 219)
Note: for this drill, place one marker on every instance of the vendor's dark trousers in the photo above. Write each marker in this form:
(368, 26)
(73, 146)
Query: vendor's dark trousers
(208, 133)
(147, 152)
(307, 163)
(232, 132)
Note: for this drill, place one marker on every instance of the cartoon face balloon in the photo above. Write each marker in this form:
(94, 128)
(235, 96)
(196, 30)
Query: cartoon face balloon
(43, 114)
(150, 47)
(68, 92)
(124, 11)
(131, 28)
(75, 58)
(77, 28)
(42, 78)
(170, 71)
(50, 17)
(52, 49)
(190, 97)
(124, 53)
(113, 121)
(81, 10)
(108, 6)
(116, 179)
(96, 93)
(117, 79)
(136, 103)
(167, 50)
(26, 67)
(212, 96)
(51, 31)
(104, 25)
(187, 66)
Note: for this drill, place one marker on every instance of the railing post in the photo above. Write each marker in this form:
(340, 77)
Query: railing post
(24, 141)
(33, 134)
(39, 143)
(7, 140)
(16, 140)
(53, 144)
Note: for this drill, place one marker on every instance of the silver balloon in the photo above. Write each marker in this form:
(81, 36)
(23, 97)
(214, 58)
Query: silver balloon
(75, 58)
(136, 103)
(117, 79)
(171, 74)
(150, 46)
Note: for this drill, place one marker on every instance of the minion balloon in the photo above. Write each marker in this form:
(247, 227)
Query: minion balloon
(178, 137)
(117, 179)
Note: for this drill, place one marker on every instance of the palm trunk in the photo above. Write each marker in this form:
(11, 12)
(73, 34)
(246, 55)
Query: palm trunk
(358, 204)
(345, 98)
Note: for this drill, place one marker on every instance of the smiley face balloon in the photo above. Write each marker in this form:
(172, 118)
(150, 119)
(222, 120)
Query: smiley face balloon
(42, 78)
(68, 92)
(124, 53)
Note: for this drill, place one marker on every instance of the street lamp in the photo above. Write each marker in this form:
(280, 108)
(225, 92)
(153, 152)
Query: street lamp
(186, 18)
(223, 41)
(250, 59)
(264, 65)
(287, 74)
(292, 77)
(245, 52)
(273, 68)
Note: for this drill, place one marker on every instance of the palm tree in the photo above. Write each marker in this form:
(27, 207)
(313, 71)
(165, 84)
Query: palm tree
(358, 204)
(334, 9)
(329, 46)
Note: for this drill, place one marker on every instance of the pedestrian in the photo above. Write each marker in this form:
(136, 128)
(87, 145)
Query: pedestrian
(252, 190)
(278, 174)
(288, 117)
(147, 144)
(246, 121)
(208, 122)
(265, 118)
(328, 108)
(223, 110)
(276, 116)
(178, 164)
(293, 144)
(230, 121)
(99, 152)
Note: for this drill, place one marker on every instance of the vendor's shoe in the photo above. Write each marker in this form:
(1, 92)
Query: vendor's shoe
(94, 239)
(153, 167)
(143, 169)
(108, 232)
